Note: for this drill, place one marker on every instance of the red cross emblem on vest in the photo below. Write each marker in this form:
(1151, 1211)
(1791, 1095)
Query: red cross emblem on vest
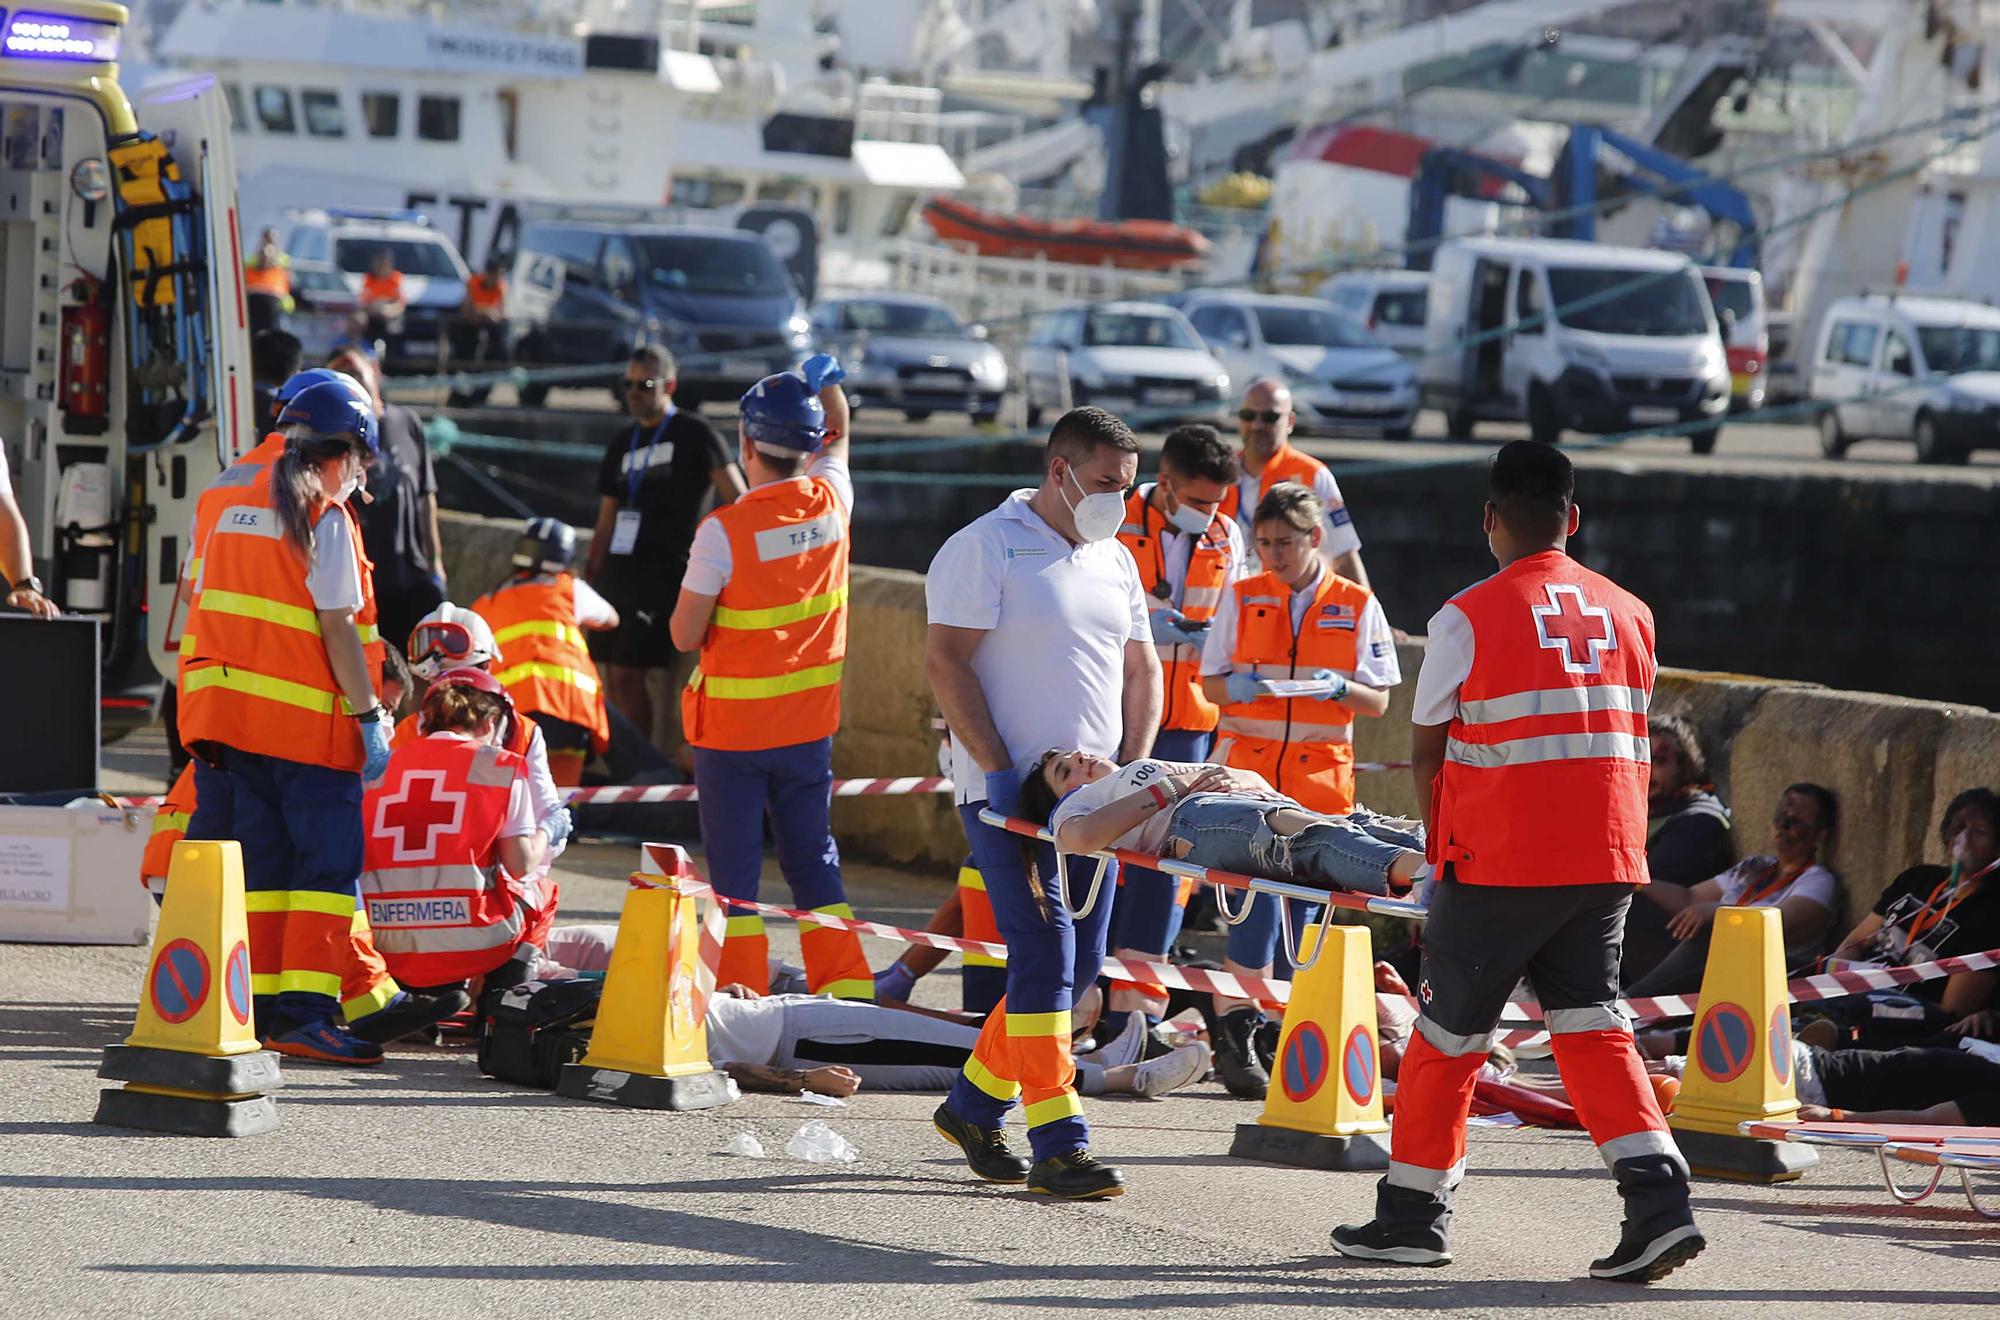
(1582, 632)
(420, 812)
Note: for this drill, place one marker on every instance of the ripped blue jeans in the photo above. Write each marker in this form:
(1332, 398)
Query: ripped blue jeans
(1232, 833)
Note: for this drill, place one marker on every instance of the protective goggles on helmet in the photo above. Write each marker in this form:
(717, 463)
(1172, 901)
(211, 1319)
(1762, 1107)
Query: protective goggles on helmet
(451, 642)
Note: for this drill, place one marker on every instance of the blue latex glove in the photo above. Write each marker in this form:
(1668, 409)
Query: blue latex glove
(558, 826)
(1339, 689)
(1169, 625)
(1245, 687)
(375, 741)
(822, 370)
(1003, 791)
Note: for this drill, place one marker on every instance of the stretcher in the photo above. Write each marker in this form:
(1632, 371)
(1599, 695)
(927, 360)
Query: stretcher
(1940, 1148)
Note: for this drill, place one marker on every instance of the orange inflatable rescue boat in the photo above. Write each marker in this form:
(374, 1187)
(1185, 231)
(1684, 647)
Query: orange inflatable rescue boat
(1131, 244)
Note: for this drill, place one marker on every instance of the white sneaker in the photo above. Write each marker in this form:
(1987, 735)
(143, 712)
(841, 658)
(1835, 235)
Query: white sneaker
(1125, 1048)
(1170, 1072)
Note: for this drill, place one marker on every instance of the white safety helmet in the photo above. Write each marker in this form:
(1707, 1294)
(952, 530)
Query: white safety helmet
(451, 637)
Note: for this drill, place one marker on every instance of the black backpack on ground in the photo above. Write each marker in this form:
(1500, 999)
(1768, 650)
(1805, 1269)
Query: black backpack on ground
(534, 1028)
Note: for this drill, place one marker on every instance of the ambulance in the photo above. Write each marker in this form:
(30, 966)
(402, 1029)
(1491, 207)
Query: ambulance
(124, 350)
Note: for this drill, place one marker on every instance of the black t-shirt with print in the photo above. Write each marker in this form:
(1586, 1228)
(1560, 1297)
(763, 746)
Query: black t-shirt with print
(665, 479)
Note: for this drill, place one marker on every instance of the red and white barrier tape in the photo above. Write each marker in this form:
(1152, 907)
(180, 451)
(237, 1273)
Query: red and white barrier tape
(1119, 969)
(1826, 985)
(878, 787)
(881, 786)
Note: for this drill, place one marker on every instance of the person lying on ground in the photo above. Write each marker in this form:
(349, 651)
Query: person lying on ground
(1215, 816)
(793, 1043)
(1789, 878)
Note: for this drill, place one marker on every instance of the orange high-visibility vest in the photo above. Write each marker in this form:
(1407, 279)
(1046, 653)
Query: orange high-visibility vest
(770, 665)
(486, 294)
(170, 824)
(1186, 706)
(1545, 770)
(1304, 748)
(1288, 464)
(208, 506)
(545, 663)
(274, 279)
(441, 906)
(381, 288)
(256, 677)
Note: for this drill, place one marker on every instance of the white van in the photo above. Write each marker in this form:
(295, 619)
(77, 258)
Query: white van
(1737, 294)
(1571, 336)
(1393, 303)
(1908, 368)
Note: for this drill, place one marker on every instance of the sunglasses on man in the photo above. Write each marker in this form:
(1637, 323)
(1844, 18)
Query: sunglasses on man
(649, 383)
(1268, 416)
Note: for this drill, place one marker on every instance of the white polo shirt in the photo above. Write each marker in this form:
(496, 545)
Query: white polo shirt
(1056, 617)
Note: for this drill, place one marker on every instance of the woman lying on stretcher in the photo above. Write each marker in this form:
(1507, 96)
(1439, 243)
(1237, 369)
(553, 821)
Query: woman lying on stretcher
(1212, 815)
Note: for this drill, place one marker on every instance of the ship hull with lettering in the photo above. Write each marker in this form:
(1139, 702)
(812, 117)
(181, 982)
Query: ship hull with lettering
(389, 108)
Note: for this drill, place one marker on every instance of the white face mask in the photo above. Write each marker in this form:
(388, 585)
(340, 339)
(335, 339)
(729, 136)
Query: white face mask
(1098, 517)
(350, 483)
(1192, 521)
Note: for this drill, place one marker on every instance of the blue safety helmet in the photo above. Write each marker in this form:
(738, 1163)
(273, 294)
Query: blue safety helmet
(301, 380)
(783, 412)
(545, 544)
(334, 407)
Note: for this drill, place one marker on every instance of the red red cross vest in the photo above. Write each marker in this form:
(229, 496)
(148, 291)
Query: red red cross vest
(1545, 771)
(441, 906)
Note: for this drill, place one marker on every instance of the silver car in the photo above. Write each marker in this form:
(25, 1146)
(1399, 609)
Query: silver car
(911, 353)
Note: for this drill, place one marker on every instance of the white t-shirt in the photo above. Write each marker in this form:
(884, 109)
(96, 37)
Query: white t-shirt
(746, 1030)
(592, 610)
(335, 576)
(1375, 662)
(1447, 663)
(709, 559)
(1340, 534)
(1150, 836)
(1815, 883)
(1056, 617)
(1176, 550)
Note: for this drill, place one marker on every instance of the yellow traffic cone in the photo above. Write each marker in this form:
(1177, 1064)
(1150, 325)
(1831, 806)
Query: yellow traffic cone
(1324, 1108)
(1739, 1059)
(192, 1064)
(649, 1046)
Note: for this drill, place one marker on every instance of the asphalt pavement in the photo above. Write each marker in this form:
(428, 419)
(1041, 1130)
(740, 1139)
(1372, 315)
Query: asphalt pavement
(420, 1188)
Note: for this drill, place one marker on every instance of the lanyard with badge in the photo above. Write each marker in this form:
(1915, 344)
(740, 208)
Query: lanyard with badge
(625, 532)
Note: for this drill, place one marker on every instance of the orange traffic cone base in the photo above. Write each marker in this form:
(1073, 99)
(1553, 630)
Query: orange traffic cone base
(701, 1090)
(1308, 1150)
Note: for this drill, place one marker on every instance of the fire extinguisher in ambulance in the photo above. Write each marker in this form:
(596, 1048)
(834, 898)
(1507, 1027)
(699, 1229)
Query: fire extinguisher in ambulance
(85, 377)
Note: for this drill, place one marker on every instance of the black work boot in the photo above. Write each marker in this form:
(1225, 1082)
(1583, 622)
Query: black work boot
(1077, 1176)
(409, 1013)
(1236, 1053)
(1410, 1227)
(986, 1150)
(1265, 1042)
(1659, 1233)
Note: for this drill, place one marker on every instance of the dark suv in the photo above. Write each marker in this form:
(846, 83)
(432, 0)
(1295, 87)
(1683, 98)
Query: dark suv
(584, 294)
